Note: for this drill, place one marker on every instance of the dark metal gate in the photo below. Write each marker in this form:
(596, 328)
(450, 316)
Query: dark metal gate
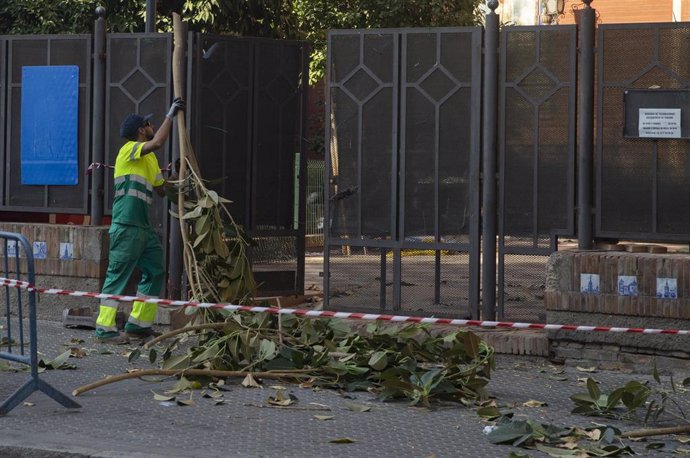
(536, 161)
(402, 164)
(247, 92)
(643, 185)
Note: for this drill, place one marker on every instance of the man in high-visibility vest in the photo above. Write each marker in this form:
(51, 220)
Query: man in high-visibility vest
(133, 243)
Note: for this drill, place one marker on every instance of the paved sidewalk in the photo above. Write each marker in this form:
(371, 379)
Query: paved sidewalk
(124, 420)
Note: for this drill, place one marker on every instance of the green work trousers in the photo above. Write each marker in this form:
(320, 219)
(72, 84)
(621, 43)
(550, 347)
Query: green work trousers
(130, 247)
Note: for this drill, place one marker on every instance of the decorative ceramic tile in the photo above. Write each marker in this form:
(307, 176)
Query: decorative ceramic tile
(40, 250)
(11, 248)
(627, 285)
(589, 283)
(667, 288)
(66, 250)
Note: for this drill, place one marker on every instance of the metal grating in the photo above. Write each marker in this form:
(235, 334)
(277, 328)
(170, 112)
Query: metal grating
(403, 164)
(278, 79)
(536, 161)
(361, 278)
(642, 192)
(247, 124)
(39, 51)
(523, 285)
(222, 124)
(363, 85)
(435, 283)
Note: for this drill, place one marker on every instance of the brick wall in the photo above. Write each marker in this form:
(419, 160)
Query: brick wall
(610, 307)
(89, 255)
(610, 266)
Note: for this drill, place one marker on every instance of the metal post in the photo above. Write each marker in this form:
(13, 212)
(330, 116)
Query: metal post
(97, 140)
(489, 160)
(437, 277)
(150, 16)
(585, 149)
(302, 189)
(382, 287)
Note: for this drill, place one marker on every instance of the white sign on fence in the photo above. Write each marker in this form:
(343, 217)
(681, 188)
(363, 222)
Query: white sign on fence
(659, 122)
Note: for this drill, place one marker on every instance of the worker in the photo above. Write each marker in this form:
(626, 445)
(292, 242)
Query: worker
(133, 242)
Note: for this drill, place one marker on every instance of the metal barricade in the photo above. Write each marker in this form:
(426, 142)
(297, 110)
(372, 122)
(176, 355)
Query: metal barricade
(13, 336)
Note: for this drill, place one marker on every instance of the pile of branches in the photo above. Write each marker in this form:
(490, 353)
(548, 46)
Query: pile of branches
(391, 361)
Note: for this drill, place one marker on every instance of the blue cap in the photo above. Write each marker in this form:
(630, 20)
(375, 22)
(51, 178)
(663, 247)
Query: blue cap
(128, 128)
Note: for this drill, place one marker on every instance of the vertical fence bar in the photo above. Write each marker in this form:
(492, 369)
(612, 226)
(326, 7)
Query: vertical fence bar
(150, 16)
(97, 141)
(585, 146)
(327, 176)
(303, 175)
(489, 154)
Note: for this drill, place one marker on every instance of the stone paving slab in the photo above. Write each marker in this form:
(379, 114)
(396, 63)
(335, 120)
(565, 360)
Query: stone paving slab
(123, 419)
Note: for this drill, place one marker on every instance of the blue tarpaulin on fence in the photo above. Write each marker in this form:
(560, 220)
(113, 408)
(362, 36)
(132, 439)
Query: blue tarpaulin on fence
(50, 97)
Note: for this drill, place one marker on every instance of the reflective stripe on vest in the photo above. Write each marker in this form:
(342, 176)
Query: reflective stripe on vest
(132, 155)
(137, 178)
(134, 193)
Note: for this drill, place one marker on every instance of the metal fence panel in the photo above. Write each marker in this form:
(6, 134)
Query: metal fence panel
(642, 185)
(247, 130)
(362, 125)
(439, 169)
(223, 84)
(536, 159)
(276, 132)
(401, 198)
(43, 50)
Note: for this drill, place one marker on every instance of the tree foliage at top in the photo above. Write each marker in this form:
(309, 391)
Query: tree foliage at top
(316, 17)
(294, 19)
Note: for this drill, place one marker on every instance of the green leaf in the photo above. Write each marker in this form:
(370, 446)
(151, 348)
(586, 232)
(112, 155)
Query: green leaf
(267, 349)
(356, 407)
(342, 440)
(177, 362)
(193, 214)
(162, 397)
(153, 354)
(593, 389)
(209, 353)
(509, 432)
(201, 225)
(183, 385)
(324, 417)
(60, 362)
(378, 360)
(489, 413)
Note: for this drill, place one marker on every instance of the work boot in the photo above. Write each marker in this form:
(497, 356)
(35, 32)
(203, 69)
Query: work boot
(110, 337)
(137, 332)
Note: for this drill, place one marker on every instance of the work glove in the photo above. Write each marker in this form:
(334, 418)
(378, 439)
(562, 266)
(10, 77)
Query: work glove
(177, 105)
(173, 170)
(171, 192)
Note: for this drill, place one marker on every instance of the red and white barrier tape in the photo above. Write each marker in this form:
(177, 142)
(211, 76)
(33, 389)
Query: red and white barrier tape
(347, 315)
